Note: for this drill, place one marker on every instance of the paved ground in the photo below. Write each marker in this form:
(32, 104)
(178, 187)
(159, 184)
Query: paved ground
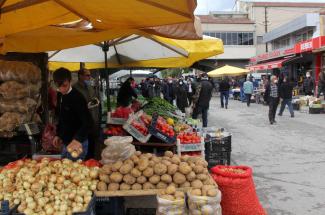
(287, 158)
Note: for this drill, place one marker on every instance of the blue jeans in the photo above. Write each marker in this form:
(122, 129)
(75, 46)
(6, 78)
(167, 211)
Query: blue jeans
(82, 156)
(283, 105)
(242, 94)
(204, 111)
(224, 95)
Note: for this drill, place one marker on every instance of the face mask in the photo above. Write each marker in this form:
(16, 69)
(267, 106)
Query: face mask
(180, 83)
(87, 82)
(275, 81)
(170, 82)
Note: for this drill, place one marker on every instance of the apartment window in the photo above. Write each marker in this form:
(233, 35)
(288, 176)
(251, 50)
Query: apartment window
(280, 43)
(304, 35)
(233, 38)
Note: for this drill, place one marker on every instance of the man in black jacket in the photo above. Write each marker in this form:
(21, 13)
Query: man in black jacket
(272, 97)
(286, 96)
(224, 92)
(201, 99)
(75, 121)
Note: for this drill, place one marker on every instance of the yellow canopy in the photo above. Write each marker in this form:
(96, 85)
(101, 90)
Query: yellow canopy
(227, 71)
(162, 53)
(23, 15)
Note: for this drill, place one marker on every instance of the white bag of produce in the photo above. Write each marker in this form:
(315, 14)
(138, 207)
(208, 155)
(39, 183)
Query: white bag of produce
(12, 90)
(117, 148)
(204, 205)
(19, 71)
(168, 207)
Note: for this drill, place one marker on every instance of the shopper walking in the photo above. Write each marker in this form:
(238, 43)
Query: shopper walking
(248, 88)
(168, 91)
(190, 91)
(201, 99)
(181, 95)
(272, 96)
(309, 85)
(74, 119)
(285, 90)
(224, 87)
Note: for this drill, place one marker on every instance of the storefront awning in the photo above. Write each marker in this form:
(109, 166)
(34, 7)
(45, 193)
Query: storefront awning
(268, 65)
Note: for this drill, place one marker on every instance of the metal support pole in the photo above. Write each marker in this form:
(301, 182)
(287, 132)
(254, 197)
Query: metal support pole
(105, 50)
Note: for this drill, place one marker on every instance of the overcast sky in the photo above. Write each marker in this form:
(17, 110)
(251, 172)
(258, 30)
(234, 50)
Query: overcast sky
(204, 6)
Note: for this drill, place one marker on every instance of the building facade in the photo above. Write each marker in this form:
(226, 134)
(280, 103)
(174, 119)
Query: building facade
(237, 33)
(295, 48)
(268, 16)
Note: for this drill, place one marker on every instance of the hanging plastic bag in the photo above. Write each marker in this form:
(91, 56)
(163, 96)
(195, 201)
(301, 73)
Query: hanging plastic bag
(117, 148)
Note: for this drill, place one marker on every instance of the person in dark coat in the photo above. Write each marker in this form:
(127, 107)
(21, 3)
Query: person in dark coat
(286, 95)
(190, 88)
(84, 87)
(224, 87)
(181, 95)
(74, 119)
(309, 85)
(321, 83)
(272, 97)
(168, 90)
(126, 92)
(201, 99)
(144, 88)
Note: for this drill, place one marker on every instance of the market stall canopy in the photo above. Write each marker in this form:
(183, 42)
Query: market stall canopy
(24, 15)
(227, 71)
(138, 51)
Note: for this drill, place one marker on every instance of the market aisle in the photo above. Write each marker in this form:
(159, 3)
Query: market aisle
(287, 158)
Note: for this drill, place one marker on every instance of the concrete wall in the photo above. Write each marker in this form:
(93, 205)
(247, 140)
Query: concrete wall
(237, 52)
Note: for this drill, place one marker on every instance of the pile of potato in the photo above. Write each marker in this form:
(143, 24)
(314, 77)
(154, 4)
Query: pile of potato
(147, 171)
(49, 187)
(171, 194)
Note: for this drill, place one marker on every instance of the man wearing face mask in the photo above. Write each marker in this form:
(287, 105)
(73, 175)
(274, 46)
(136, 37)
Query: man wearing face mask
(181, 95)
(272, 96)
(285, 90)
(75, 121)
(84, 87)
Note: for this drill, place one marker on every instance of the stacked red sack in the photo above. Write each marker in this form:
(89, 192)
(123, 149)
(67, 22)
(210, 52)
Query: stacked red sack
(238, 190)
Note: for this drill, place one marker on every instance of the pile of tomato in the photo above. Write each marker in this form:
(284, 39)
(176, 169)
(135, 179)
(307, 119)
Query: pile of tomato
(140, 127)
(189, 137)
(164, 127)
(146, 119)
(191, 153)
(122, 112)
(115, 130)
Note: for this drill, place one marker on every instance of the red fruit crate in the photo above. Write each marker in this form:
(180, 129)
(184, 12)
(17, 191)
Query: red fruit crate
(191, 147)
(137, 128)
(155, 129)
(119, 116)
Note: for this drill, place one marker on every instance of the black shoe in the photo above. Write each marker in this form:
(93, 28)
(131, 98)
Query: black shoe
(271, 122)
(221, 106)
(292, 116)
(279, 114)
(226, 107)
(274, 121)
